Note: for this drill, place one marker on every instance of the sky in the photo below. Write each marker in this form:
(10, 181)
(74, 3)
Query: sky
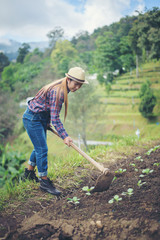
(31, 20)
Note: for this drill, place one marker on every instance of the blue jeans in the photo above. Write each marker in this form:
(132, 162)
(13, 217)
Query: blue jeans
(36, 127)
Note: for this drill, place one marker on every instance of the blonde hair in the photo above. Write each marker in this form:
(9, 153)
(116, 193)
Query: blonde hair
(61, 87)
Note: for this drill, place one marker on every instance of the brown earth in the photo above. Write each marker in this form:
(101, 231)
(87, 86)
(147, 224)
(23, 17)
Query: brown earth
(133, 218)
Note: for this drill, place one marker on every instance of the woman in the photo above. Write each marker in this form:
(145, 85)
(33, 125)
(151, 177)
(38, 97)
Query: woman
(42, 110)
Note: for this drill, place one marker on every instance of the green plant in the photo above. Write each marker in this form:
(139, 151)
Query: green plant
(129, 192)
(114, 179)
(148, 100)
(141, 175)
(74, 200)
(132, 164)
(147, 171)
(116, 199)
(140, 183)
(120, 170)
(10, 165)
(87, 190)
(156, 164)
(152, 150)
(139, 158)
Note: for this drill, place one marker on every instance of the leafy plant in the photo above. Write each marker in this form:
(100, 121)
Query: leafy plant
(114, 179)
(148, 100)
(139, 158)
(147, 171)
(140, 183)
(120, 170)
(152, 150)
(10, 165)
(141, 175)
(87, 190)
(116, 198)
(74, 200)
(132, 164)
(129, 192)
(156, 164)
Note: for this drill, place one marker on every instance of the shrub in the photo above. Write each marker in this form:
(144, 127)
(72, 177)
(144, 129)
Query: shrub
(148, 100)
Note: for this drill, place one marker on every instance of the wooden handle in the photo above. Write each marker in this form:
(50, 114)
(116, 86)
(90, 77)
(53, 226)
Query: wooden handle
(97, 165)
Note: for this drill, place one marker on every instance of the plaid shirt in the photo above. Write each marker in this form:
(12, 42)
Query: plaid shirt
(38, 105)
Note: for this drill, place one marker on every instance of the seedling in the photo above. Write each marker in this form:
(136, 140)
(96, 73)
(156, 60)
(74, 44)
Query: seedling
(114, 179)
(116, 198)
(147, 171)
(129, 192)
(120, 170)
(139, 158)
(73, 200)
(132, 164)
(156, 164)
(140, 183)
(87, 190)
(152, 150)
(141, 175)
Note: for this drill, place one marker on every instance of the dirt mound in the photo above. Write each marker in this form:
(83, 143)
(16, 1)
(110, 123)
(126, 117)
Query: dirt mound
(136, 216)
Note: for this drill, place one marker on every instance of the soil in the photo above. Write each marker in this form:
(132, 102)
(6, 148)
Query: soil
(134, 217)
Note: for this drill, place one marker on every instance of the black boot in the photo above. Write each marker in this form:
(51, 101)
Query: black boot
(47, 186)
(30, 175)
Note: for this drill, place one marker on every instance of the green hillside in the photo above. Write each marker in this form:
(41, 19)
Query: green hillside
(121, 115)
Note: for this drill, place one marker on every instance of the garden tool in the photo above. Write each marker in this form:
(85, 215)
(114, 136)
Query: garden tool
(103, 182)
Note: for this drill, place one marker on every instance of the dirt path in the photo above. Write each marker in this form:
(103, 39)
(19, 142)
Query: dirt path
(135, 217)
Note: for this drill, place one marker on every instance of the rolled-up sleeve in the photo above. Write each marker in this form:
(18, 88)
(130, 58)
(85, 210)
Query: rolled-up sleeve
(54, 114)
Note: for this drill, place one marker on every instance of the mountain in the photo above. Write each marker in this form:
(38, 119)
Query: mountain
(10, 47)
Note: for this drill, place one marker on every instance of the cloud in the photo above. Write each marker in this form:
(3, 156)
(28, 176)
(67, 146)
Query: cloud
(103, 12)
(31, 20)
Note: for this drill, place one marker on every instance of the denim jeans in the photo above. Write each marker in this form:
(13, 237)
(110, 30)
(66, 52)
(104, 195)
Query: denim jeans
(36, 127)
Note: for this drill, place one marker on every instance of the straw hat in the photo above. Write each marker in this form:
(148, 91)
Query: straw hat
(77, 74)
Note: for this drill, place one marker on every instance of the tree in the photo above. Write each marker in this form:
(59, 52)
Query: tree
(22, 52)
(107, 53)
(148, 100)
(62, 55)
(55, 35)
(4, 61)
(126, 54)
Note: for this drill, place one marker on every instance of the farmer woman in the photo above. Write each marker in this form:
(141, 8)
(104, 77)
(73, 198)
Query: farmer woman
(42, 110)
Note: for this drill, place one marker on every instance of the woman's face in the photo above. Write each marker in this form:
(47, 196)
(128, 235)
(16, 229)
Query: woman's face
(73, 85)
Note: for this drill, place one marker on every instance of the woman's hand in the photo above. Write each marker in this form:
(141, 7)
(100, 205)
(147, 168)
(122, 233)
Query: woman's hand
(68, 141)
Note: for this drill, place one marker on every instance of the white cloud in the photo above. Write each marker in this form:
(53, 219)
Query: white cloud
(31, 20)
(103, 12)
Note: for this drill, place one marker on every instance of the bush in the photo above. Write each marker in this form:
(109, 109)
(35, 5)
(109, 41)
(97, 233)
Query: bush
(10, 165)
(8, 113)
(148, 100)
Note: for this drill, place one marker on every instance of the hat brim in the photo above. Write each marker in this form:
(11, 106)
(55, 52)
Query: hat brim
(77, 80)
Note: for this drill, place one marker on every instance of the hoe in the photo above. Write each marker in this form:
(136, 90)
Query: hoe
(103, 182)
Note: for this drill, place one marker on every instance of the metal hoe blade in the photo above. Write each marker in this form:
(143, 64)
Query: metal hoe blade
(103, 182)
